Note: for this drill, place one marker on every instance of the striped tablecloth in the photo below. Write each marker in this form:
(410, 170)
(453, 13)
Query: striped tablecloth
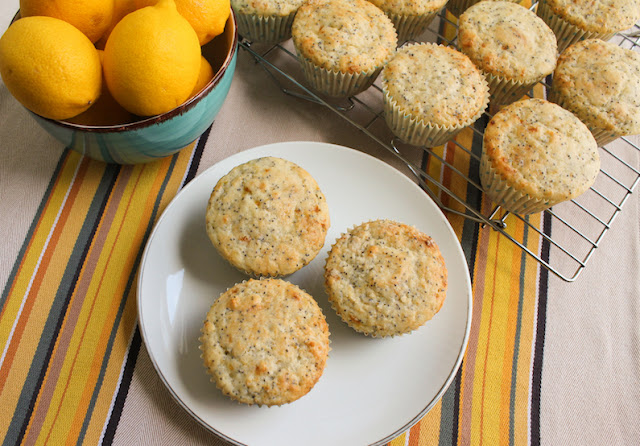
(548, 362)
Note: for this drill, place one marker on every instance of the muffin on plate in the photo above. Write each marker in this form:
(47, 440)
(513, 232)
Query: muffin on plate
(575, 20)
(513, 47)
(267, 217)
(265, 342)
(410, 17)
(385, 278)
(535, 155)
(599, 82)
(431, 92)
(342, 44)
(265, 21)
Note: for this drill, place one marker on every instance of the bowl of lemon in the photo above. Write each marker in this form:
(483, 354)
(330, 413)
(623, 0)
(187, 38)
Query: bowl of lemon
(122, 82)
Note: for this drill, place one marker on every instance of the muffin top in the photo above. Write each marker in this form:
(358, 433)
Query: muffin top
(385, 278)
(265, 342)
(267, 217)
(600, 82)
(349, 36)
(542, 149)
(266, 7)
(409, 7)
(599, 16)
(507, 40)
(435, 84)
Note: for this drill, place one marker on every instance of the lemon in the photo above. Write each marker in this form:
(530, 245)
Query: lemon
(92, 17)
(207, 17)
(206, 74)
(152, 60)
(50, 67)
(120, 9)
(105, 111)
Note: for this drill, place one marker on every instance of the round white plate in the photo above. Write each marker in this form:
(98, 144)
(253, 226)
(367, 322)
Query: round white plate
(372, 389)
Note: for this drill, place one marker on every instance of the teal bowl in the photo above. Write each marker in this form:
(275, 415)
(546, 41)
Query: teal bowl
(149, 139)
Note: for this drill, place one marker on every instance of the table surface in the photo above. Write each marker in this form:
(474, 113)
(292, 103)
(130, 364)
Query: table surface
(548, 362)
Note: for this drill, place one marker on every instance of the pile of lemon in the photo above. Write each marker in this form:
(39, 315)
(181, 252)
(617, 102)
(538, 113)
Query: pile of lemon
(104, 62)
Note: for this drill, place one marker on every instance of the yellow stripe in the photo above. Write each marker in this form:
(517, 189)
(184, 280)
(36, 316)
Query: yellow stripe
(430, 426)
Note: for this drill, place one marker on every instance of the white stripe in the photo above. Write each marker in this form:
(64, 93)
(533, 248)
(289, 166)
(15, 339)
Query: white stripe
(35, 273)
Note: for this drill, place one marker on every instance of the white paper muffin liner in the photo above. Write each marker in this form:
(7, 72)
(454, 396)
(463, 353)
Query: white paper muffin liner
(566, 33)
(409, 27)
(417, 132)
(505, 91)
(265, 29)
(335, 83)
(503, 194)
(457, 7)
(602, 136)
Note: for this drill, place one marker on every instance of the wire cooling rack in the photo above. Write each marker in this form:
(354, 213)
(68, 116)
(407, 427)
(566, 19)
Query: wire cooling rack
(569, 232)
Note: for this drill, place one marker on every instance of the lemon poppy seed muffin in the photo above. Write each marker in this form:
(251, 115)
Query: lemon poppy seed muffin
(457, 7)
(265, 342)
(385, 278)
(410, 17)
(575, 20)
(265, 21)
(599, 82)
(342, 44)
(535, 155)
(267, 217)
(431, 92)
(510, 44)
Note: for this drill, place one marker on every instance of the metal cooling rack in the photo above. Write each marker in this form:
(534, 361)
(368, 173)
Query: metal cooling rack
(570, 232)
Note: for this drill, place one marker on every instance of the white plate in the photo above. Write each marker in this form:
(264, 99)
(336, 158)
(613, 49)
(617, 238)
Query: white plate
(372, 389)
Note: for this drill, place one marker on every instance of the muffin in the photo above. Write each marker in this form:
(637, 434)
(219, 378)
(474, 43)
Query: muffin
(536, 154)
(457, 7)
(431, 92)
(342, 44)
(510, 44)
(599, 82)
(265, 342)
(410, 17)
(385, 278)
(267, 217)
(575, 20)
(265, 21)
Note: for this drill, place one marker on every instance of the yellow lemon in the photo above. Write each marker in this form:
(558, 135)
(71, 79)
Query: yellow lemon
(206, 74)
(207, 17)
(120, 9)
(92, 17)
(50, 67)
(105, 111)
(152, 60)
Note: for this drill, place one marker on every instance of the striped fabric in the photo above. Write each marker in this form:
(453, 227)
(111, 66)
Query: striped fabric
(67, 357)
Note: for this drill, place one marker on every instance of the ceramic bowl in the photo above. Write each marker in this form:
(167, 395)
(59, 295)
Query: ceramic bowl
(158, 136)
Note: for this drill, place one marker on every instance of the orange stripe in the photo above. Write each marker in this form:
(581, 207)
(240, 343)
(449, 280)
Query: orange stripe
(39, 277)
(414, 435)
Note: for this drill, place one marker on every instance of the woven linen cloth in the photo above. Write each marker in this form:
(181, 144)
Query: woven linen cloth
(548, 362)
